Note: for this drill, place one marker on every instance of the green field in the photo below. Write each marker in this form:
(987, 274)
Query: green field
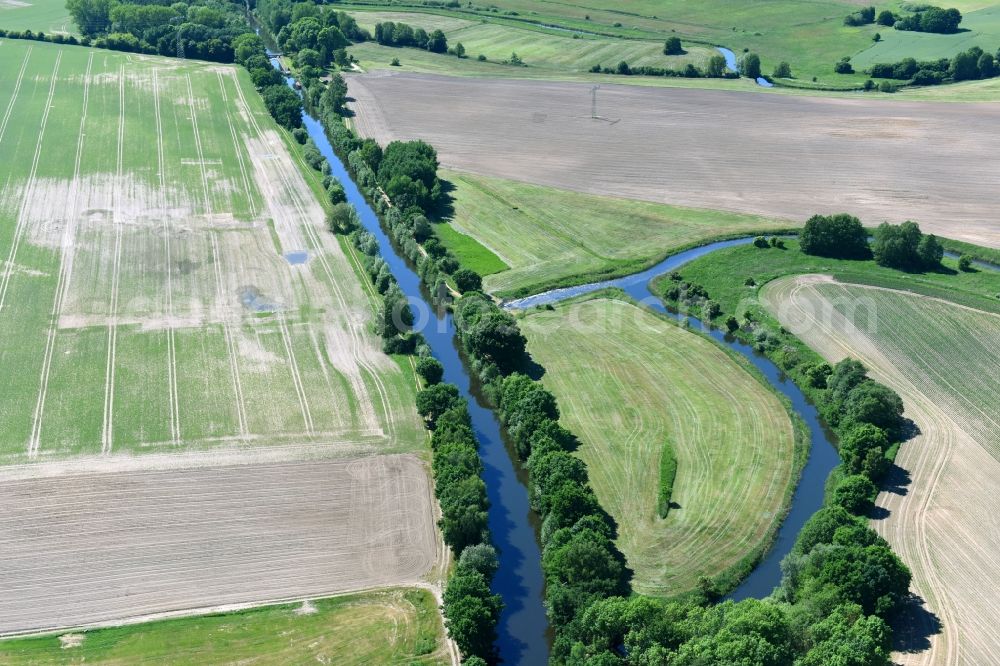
(978, 28)
(552, 237)
(539, 47)
(723, 274)
(627, 381)
(391, 626)
(146, 302)
(945, 345)
(809, 34)
(48, 16)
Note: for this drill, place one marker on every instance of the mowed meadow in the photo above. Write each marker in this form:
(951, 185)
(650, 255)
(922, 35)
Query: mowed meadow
(940, 505)
(541, 237)
(629, 383)
(168, 280)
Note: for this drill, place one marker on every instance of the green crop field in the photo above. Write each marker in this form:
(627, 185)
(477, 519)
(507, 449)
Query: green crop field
(391, 626)
(979, 28)
(541, 48)
(810, 35)
(146, 301)
(628, 380)
(48, 16)
(553, 237)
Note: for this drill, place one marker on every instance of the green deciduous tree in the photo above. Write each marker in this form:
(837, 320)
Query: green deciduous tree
(840, 235)
(855, 493)
(750, 66)
(673, 46)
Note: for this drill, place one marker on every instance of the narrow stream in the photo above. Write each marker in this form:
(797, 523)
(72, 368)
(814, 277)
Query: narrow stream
(733, 67)
(523, 629)
(823, 457)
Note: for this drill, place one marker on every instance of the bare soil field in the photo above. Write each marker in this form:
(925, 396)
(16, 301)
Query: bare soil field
(96, 548)
(941, 503)
(776, 155)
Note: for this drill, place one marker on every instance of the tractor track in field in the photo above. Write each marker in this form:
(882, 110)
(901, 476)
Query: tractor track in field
(13, 95)
(65, 268)
(940, 500)
(175, 415)
(107, 433)
(180, 540)
(310, 233)
(28, 188)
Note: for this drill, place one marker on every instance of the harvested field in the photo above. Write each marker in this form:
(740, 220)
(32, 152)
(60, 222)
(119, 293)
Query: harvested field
(539, 48)
(626, 382)
(775, 155)
(83, 549)
(383, 627)
(941, 501)
(145, 302)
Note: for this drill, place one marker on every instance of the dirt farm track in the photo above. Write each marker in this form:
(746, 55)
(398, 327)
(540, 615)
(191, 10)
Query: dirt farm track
(102, 547)
(779, 155)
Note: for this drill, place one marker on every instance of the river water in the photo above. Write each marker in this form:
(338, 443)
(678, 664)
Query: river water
(732, 66)
(523, 628)
(823, 457)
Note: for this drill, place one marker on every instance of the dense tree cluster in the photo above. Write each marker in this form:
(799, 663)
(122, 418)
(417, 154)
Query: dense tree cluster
(204, 29)
(841, 236)
(863, 16)
(281, 101)
(965, 66)
(930, 19)
(716, 68)
(402, 34)
(407, 172)
(904, 246)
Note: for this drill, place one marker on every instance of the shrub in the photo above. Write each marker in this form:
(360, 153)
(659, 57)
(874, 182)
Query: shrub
(430, 369)
(843, 66)
(750, 66)
(668, 472)
(856, 494)
(896, 246)
(673, 46)
(435, 400)
(965, 263)
(783, 71)
(761, 242)
(876, 404)
(467, 280)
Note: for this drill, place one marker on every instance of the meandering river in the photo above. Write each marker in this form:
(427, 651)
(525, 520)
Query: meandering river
(523, 631)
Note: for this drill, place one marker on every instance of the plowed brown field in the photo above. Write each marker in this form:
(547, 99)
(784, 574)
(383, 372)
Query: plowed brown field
(108, 547)
(777, 155)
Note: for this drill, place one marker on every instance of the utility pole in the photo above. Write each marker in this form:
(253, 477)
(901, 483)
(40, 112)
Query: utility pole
(593, 101)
